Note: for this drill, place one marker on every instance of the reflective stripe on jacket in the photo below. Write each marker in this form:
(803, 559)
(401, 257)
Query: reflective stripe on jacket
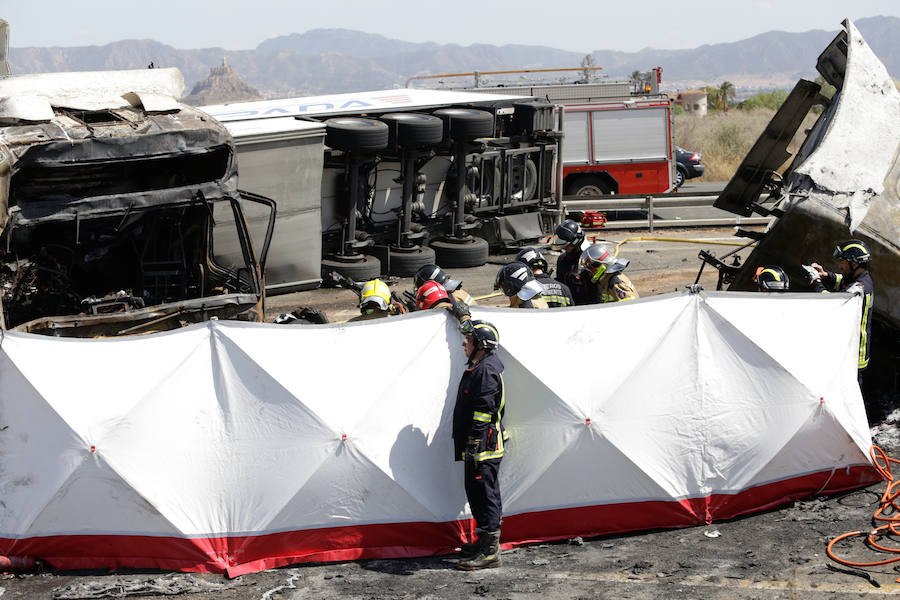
(478, 414)
(463, 296)
(556, 294)
(836, 282)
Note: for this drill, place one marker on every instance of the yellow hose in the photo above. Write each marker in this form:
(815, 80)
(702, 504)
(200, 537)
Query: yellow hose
(485, 297)
(683, 240)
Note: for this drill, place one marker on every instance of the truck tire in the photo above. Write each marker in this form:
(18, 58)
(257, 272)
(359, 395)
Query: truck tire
(590, 185)
(404, 262)
(487, 182)
(364, 269)
(353, 133)
(523, 179)
(465, 123)
(453, 253)
(413, 129)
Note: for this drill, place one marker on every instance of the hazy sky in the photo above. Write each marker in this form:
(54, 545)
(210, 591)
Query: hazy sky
(579, 26)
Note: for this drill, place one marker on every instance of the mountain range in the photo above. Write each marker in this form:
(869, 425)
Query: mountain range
(339, 60)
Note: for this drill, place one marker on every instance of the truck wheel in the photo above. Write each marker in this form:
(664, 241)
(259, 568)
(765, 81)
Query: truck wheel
(679, 178)
(465, 123)
(587, 186)
(413, 129)
(453, 253)
(363, 268)
(404, 262)
(488, 181)
(352, 133)
(523, 180)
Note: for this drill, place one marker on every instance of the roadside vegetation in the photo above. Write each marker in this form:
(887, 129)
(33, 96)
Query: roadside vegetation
(726, 133)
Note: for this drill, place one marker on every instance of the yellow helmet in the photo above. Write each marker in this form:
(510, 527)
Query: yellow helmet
(375, 293)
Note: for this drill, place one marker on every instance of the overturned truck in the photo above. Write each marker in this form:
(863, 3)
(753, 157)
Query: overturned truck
(388, 181)
(843, 182)
(119, 208)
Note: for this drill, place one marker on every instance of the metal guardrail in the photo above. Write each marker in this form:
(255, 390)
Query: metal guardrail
(651, 202)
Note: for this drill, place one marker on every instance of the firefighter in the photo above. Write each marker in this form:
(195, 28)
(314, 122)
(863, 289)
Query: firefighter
(453, 286)
(603, 278)
(432, 294)
(556, 293)
(853, 258)
(520, 286)
(771, 278)
(571, 240)
(374, 301)
(479, 439)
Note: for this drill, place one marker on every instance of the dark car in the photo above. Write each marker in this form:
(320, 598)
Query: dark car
(687, 165)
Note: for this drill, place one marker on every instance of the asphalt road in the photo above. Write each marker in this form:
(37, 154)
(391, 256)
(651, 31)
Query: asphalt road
(660, 262)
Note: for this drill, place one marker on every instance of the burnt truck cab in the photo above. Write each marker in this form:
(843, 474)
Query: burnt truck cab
(843, 181)
(116, 205)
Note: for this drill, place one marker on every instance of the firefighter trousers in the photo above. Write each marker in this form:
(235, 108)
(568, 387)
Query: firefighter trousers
(483, 492)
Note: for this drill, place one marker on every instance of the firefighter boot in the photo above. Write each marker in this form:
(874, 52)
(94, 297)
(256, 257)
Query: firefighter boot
(471, 549)
(489, 555)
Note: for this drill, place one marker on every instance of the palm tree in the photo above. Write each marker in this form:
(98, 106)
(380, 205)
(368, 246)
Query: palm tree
(712, 96)
(726, 92)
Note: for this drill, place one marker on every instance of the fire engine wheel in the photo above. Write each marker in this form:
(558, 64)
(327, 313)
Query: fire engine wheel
(465, 123)
(352, 133)
(413, 129)
(523, 181)
(679, 178)
(404, 262)
(358, 268)
(454, 253)
(587, 186)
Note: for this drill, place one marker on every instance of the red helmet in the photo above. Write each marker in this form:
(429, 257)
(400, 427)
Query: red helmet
(429, 293)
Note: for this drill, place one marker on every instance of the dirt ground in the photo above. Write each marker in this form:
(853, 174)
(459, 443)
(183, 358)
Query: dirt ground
(776, 554)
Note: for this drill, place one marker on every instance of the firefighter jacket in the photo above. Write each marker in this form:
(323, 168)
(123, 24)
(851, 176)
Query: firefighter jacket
(835, 282)
(567, 265)
(478, 414)
(612, 287)
(535, 302)
(463, 296)
(556, 294)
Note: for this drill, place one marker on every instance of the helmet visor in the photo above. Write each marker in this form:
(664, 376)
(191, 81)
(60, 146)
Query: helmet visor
(529, 290)
(373, 302)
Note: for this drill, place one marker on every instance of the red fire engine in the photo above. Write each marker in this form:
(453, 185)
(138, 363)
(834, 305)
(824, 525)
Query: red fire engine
(618, 134)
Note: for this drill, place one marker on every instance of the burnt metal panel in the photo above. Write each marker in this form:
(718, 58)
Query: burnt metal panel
(769, 152)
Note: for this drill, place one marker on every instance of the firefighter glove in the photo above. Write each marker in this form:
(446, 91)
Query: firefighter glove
(811, 273)
(459, 309)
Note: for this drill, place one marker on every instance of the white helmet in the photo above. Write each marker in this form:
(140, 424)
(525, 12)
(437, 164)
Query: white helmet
(599, 259)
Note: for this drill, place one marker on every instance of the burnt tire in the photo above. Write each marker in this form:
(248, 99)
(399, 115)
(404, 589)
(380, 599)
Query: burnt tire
(587, 186)
(453, 253)
(364, 269)
(404, 262)
(465, 123)
(413, 129)
(354, 133)
(523, 180)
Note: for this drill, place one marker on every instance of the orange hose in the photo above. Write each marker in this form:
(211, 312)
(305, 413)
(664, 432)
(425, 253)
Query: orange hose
(888, 512)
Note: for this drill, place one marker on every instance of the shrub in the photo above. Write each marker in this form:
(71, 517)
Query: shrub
(770, 100)
(725, 138)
